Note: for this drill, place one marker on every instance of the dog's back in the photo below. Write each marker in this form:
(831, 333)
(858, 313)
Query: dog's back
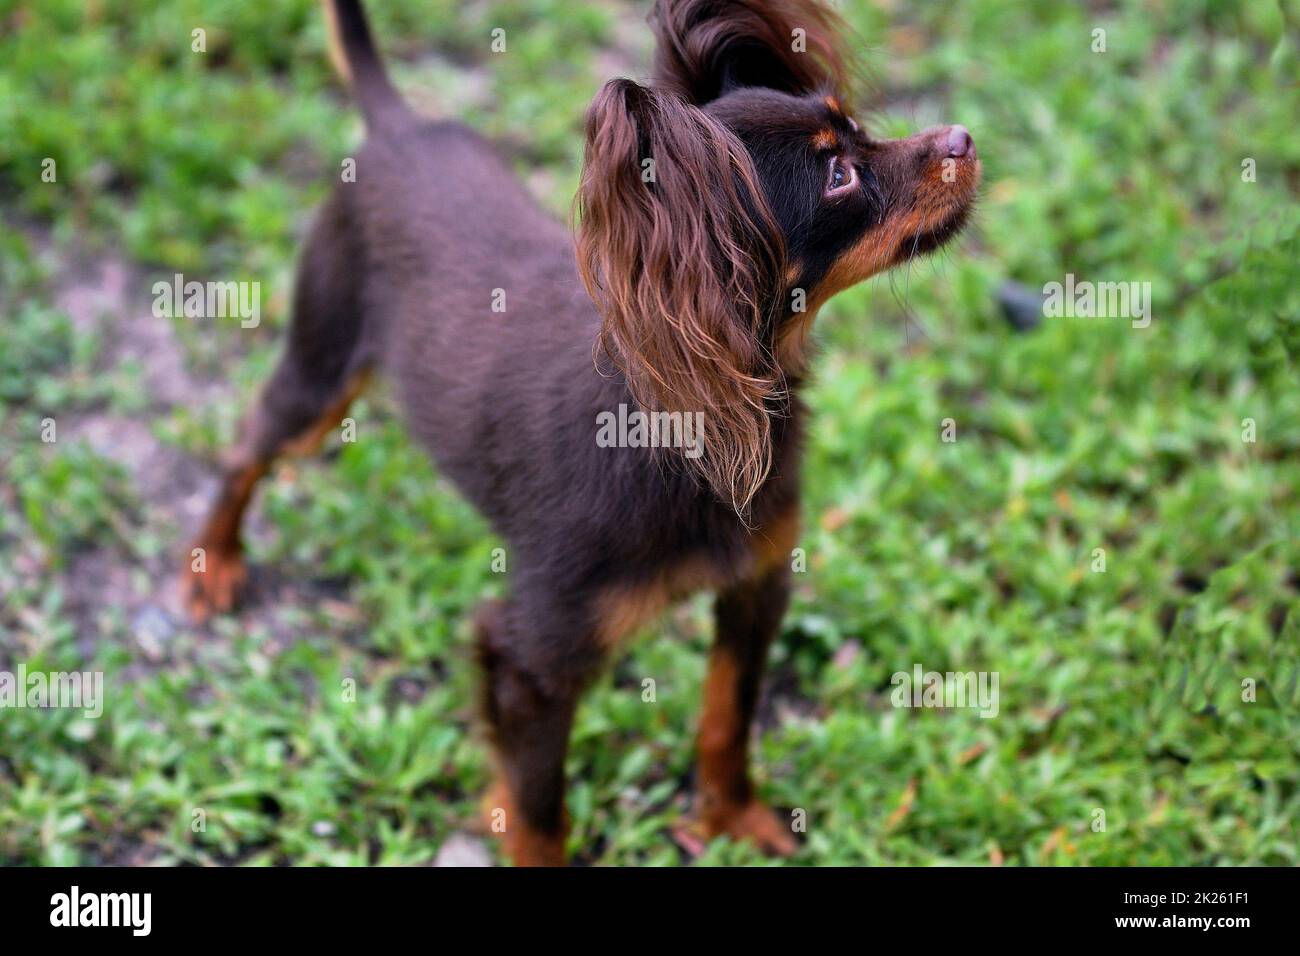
(469, 286)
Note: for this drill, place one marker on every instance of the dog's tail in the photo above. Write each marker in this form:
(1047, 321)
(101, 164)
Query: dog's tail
(353, 53)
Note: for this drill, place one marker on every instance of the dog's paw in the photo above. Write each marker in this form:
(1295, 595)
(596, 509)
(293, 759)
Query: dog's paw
(753, 822)
(211, 582)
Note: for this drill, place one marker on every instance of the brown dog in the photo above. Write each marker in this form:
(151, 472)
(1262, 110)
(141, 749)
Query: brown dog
(720, 206)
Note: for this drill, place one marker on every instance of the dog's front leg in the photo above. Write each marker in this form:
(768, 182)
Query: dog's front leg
(535, 666)
(748, 617)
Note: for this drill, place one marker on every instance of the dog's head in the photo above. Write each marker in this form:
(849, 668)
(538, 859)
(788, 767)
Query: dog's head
(724, 203)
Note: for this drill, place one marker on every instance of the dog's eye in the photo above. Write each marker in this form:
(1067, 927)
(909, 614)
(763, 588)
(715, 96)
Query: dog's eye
(842, 178)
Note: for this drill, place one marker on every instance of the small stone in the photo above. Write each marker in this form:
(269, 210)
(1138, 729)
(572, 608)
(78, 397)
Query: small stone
(462, 850)
(153, 628)
(1022, 306)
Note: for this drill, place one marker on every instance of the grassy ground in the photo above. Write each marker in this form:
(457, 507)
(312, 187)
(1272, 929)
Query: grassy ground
(1121, 690)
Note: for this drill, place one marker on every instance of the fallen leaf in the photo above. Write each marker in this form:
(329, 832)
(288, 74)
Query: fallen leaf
(846, 654)
(834, 518)
(904, 806)
(1053, 842)
(1158, 812)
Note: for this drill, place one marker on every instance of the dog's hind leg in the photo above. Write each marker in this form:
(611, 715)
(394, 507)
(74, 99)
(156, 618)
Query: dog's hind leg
(321, 371)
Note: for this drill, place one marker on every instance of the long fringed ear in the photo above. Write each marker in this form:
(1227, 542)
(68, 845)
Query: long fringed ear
(707, 47)
(678, 249)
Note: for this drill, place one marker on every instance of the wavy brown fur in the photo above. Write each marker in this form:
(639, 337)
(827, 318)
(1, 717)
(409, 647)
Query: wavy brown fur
(705, 47)
(684, 270)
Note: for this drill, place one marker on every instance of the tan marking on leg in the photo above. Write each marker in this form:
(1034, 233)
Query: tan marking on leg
(773, 542)
(727, 805)
(309, 442)
(522, 845)
(215, 589)
(623, 609)
(721, 741)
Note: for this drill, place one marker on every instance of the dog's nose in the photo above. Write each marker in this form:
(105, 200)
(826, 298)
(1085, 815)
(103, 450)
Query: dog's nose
(960, 142)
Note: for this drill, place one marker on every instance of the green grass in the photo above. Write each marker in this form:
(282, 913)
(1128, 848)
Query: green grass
(1121, 690)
